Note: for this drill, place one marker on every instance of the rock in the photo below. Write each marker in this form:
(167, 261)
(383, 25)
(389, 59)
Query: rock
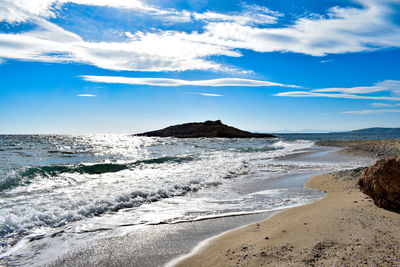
(204, 129)
(381, 182)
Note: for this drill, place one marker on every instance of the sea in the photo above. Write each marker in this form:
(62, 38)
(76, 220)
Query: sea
(61, 195)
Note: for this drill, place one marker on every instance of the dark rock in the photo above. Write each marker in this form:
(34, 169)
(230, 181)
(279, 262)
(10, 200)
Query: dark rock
(204, 129)
(381, 182)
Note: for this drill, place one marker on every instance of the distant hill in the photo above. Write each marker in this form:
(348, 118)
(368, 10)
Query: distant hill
(377, 130)
(204, 129)
(370, 131)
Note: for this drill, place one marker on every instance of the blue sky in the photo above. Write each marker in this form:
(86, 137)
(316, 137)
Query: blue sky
(126, 66)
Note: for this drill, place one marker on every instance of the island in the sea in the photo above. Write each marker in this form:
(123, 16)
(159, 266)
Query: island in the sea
(204, 129)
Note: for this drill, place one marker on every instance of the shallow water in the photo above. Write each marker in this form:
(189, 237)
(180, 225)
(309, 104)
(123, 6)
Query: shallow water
(58, 193)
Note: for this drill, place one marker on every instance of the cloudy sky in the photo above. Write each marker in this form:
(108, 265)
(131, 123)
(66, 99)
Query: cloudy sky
(125, 66)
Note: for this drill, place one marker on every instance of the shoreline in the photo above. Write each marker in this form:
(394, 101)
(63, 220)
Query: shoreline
(207, 242)
(342, 228)
(156, 245)
(372, 148)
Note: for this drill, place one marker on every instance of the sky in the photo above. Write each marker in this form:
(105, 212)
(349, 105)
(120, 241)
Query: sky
(127, 66)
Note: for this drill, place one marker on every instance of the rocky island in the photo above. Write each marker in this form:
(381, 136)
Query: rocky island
(204, 129)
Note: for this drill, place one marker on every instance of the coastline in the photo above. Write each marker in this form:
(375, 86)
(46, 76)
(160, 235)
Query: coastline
(371, 148)
(343, 228)
(157, 245)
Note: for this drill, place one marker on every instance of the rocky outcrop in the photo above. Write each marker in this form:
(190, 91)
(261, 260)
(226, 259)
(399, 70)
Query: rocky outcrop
(204, 129)
(382, 183)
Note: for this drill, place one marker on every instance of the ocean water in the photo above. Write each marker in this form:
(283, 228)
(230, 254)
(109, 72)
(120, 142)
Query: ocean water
(59, 192)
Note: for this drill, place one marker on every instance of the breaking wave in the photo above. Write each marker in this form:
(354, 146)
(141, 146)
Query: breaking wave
(26, 176)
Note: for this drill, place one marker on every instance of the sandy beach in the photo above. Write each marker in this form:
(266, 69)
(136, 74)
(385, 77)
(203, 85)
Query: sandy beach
(344, 228)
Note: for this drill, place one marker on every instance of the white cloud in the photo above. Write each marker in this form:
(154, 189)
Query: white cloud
(342, 30)
(149, 52)
(23, 10)
(87, 95)
(252, 15)
(178, 82)
(372, 111)
(382, 105)
(343, 96)
(136, 5)
(355, 93)
(388, 85)
(352, 90)
(203, 94)
(125, 4)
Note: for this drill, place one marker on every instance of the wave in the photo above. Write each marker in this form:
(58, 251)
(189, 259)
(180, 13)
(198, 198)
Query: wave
(55, 170)
(14, 225)
(26, 176)
(256, 149)
(62, 152)
(78, 195)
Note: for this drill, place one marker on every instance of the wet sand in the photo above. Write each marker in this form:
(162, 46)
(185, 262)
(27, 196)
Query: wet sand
(344, 228)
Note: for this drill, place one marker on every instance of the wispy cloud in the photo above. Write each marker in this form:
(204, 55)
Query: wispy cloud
(343, 96)
(86, 95)
(382, 105)
(341, 30)
(23, 10)
(326, 61)
(372, 111)
(252, 15)
(388, 85)
(360, 92)
(177, 82)
(151, 52)
(352, 90)
(344, 29)
(203, 94)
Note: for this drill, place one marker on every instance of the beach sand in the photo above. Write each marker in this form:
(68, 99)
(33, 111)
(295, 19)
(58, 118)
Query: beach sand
(344, 228)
